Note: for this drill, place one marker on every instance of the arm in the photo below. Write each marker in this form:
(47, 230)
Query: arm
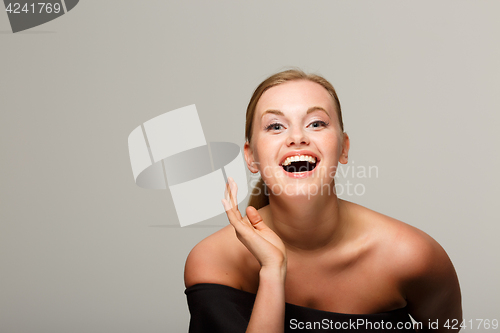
(432, 290)
(268, 314)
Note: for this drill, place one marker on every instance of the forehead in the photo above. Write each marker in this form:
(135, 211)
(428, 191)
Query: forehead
(295, 96)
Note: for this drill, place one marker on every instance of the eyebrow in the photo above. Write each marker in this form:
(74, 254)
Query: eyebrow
(311, 109)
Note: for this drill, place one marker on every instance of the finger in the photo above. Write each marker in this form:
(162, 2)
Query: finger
(242, 227)
(233, 192)
(231, 215)
(228, 194)
(226, 207)
(255, 218)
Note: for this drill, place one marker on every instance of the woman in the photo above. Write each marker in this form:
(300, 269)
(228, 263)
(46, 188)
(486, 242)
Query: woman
(302, 258)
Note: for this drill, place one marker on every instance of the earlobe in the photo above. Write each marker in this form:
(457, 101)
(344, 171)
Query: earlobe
(345, 149)
(249, 158)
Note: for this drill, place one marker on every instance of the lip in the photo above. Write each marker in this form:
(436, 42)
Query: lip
(299, 152)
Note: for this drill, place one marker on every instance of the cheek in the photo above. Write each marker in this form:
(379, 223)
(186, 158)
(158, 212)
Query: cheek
(331, 143)
(265, 149)
(266, 154)
(258, 154)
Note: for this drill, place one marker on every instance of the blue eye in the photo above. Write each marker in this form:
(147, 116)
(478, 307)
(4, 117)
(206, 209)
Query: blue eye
(274, 127)
(318, 124)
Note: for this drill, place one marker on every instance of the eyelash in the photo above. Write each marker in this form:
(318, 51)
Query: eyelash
(322, 123)
(269, 127)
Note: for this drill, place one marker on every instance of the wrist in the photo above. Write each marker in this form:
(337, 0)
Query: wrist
(275, 274)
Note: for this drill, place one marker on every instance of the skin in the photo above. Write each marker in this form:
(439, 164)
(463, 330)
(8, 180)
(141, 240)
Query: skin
(311, 248)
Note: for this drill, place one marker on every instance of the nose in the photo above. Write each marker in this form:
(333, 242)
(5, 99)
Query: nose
(297, 137)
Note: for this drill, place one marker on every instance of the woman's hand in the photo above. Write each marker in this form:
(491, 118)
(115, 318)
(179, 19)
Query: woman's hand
(251, 230)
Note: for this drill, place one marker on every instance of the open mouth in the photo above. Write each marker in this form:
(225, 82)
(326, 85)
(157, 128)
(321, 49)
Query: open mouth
(297, 164)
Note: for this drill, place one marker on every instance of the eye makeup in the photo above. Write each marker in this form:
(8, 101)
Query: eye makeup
(273, 126)
(320, 122)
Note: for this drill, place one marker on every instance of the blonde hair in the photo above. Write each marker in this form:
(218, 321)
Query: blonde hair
(259, 197)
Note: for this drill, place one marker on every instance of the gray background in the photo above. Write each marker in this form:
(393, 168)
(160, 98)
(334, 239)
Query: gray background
(83, 249)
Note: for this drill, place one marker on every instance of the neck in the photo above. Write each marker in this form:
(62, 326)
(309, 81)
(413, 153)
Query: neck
(308, 224)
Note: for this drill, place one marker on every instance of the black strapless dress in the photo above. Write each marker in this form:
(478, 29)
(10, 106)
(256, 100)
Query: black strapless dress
(216, 308)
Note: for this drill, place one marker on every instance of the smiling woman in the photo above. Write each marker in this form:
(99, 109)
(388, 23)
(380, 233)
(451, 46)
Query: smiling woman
(259, 197)
(301, 254)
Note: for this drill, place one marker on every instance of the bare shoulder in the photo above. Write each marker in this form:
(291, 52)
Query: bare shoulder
(411, 252)
(209, 261)
(220, 258)
(416, 264)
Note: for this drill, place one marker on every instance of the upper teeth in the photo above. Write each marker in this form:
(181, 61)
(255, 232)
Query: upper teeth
(297, 158)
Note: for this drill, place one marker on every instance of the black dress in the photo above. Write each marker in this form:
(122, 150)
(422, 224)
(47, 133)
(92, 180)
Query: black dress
(217, 308)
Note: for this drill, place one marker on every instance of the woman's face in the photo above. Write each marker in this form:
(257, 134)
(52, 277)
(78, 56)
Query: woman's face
(296, 120)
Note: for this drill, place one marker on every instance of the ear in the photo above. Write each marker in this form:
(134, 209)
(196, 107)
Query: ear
(345, 149)
(249, 158)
